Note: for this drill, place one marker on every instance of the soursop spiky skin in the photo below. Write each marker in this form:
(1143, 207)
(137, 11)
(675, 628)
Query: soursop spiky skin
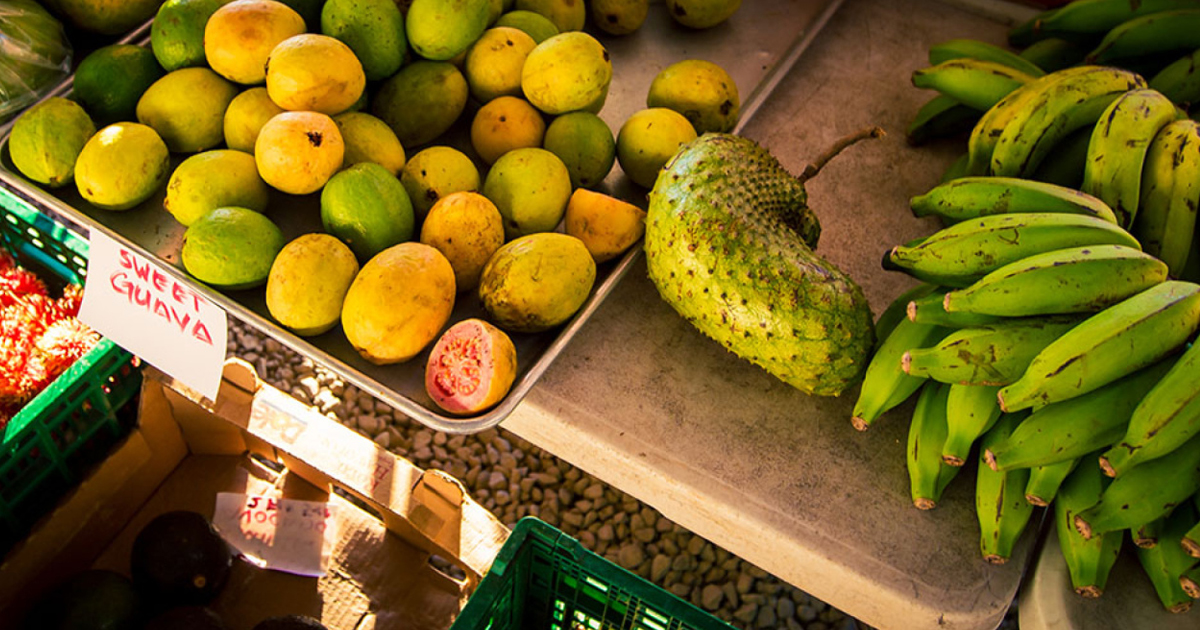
(729, 238)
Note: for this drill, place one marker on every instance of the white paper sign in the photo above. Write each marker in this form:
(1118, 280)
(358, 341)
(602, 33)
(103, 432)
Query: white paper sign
(281, 534)
(144, 309)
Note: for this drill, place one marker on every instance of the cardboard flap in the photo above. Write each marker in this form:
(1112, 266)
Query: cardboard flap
(429, 509)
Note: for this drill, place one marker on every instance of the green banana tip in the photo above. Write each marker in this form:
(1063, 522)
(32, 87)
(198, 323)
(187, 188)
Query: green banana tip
(990, 458)
(911, 311)
(860, 423)
(995, 558)
(887, 262)
(1091, 591)
(924, 503)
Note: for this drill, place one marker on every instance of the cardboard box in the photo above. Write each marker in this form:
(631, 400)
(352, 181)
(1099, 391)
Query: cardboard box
(392, 518)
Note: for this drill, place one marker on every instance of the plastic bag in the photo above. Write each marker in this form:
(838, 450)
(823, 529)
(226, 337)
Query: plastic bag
(35, 55)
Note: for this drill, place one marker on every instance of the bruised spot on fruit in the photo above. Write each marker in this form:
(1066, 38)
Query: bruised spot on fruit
(606, 57)
(430, 194)
(612, 18)
(314, 137)
(726, 107)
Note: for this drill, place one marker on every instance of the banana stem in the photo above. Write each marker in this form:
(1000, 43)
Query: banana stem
(840, 145)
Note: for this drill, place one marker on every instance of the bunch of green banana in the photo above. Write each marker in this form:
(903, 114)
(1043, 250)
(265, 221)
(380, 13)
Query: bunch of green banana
(976, 83)
(965, 252)
(964, 48)
(975, 196)
(1066, 347)
(928, 475)
(1054, 109)
(1123, 338)
(1075, 427)
(1000, 504)
(958, 106)
(1089, 18)
(1118, 147)
(1083, 279)
(1166, 220)
(990, 354)
(1160, 32)
(1164, 419)
(1089, 560)
(1145, 493)
(1166, 563)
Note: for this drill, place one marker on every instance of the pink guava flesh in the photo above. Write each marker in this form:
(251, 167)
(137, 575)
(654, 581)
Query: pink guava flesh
(460, 368)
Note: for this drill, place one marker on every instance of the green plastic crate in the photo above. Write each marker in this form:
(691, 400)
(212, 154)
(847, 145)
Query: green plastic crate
(543, 579)
(73, 424)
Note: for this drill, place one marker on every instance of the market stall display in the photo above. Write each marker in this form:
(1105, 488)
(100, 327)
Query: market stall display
(963, 414)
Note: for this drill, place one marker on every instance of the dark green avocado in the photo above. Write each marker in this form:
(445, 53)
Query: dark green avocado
(729, 245)
(178, 559)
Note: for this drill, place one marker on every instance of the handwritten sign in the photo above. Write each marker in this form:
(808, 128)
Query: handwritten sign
(145, 310)
(281, 534)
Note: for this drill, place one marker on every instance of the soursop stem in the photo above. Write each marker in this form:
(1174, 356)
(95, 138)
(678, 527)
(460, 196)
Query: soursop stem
(841, 144)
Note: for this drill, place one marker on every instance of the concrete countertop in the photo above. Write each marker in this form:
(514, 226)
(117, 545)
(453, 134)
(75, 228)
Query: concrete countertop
(645, 402)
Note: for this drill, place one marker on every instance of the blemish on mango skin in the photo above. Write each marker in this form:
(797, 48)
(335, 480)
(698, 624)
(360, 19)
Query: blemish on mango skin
(314, 138)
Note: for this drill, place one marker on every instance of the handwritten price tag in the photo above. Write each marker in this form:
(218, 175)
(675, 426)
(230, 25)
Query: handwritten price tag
(144, 309)
(281, 534)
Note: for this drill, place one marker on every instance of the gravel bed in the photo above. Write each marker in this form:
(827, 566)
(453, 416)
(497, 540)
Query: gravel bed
(513, 478)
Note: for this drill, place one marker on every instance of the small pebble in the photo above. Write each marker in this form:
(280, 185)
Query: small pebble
(659, 567)
(745, 583)
(711, 596)
(765, 618)
(785, 608)
(746, 613)
(497, 480)
(631, 556)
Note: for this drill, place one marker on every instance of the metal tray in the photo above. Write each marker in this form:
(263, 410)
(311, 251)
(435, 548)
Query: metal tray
(757, 47)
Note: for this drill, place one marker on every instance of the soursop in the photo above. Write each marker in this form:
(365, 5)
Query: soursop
(729, 244)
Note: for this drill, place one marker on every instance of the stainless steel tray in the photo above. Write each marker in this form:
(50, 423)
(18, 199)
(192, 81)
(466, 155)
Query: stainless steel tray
(757, 47)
